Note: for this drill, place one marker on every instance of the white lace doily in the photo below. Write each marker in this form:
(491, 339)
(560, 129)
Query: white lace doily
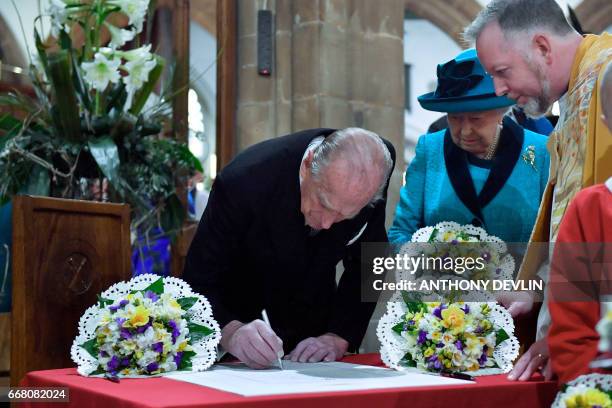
(394, 347)
(420, 241)
(200, 313)
(580, 384)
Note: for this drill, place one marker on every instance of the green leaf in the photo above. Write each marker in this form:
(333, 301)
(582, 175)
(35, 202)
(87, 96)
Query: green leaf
(188, 157)
(9, 128)
(102, 302)
(38, 182)
(413, 302)
(156, 287)
(398, 328)
(143, 94)
(187, 303)
(198, 332)
(186, 360)
(65, 41)
(41, 50)
(433, 235)
(79, 85)
(173, 215)
(408, 360)
(66, 106)
(105, 152)
(500, 336)
(91, 346)
(99, 371)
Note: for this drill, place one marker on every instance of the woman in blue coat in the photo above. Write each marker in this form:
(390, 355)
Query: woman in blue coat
(484, 169)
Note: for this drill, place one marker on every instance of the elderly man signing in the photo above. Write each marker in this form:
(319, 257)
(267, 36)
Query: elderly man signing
(536, 58)
(279, 218)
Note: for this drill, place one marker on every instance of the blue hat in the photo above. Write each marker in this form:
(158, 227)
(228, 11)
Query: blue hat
(463, 86)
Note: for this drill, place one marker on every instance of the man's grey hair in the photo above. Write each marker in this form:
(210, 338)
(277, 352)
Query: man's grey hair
(363, 150)
(519, 17)
(606, 92)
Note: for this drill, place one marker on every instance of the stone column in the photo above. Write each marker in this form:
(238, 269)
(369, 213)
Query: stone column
(338, 63)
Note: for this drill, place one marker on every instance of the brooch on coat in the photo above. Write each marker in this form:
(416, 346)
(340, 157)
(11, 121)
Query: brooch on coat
(529, 156)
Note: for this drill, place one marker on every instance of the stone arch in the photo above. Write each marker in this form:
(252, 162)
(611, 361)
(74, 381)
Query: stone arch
(594, 15)
(451, 16)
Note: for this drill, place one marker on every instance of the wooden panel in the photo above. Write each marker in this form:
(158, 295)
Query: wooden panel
(226, 81)
(5, 342)
(180, 248)
(65, 252)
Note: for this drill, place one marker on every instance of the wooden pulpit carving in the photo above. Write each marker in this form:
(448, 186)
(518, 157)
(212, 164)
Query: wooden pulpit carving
(65, 252)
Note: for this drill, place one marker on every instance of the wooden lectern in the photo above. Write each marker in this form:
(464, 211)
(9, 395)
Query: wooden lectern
(65, 252)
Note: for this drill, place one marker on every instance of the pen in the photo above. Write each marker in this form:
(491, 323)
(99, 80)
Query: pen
(457, 375)
(265, 319)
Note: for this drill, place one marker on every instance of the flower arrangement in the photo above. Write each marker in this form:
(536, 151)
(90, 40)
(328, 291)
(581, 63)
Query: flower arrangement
(96, 116)
(586, 391)
(435, 336)
(147, 326)
(449, 243)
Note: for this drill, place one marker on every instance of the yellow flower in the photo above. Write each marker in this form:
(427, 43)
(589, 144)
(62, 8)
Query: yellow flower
(448, 236)
(453, 318)
(428, 352)
(139, 317)
(435, 336)
(589, 398)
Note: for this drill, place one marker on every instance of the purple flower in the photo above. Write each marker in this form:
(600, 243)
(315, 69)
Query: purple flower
(152, 367)
(103, 353)
(144, 328)
(459, 345)
(158, 347)
(177, 358)
(175, 330)
(486, 256)
(125, 333)
(466, 309)
(483, 359)
(438, 311)
(432, 358)
(440, 345)
(422, 337)
(113, 364)
(478, 330)
(437, 365)
(120, 321)
(125, 362)
(151, 295)
(114, 308)
(454, 242)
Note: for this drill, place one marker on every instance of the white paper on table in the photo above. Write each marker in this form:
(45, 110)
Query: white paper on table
(308, 377)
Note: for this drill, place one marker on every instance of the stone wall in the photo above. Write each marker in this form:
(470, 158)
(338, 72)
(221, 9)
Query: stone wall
(338, 63)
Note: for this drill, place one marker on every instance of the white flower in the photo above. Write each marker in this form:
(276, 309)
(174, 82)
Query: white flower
(136, 10)
(59, 16)
(101, 71)
(148, 357)
(119, 36)
(146, 339)
(139, 65)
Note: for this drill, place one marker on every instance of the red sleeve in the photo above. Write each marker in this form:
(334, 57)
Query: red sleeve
(574, 309)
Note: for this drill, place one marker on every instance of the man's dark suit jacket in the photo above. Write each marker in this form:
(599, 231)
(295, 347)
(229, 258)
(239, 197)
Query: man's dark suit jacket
(252, 250)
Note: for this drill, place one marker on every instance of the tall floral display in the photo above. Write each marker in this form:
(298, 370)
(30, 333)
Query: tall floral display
(95, 128)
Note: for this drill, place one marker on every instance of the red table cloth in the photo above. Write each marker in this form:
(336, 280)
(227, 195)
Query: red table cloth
(490, 391)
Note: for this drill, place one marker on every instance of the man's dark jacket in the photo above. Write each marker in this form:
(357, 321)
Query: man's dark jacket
(252, 250)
